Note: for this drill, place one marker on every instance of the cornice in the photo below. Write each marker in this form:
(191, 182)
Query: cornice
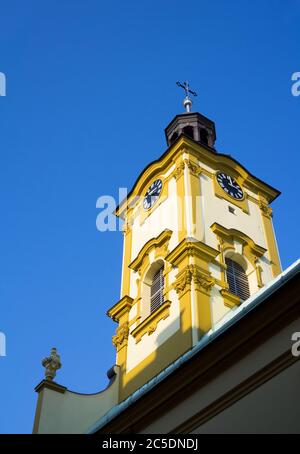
(207, 156)
(50, 385)
(120, 308)
(149, 325)
(191, 247)
(230, 300)
(157, 242)
(231, 234)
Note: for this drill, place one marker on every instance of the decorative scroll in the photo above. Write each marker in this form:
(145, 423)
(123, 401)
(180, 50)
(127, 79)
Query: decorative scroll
(122, 333)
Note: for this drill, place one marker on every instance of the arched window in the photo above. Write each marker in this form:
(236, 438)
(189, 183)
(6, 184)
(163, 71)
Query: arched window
(237, 279)
(188, 131)
(173, 137)
(203, 136)
(157, 289)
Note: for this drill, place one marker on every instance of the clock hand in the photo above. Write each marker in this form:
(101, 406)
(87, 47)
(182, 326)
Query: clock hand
(232, 186)
(151, 198)
(154, 191)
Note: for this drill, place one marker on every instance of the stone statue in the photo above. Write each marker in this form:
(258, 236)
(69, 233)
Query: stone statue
(52, 364)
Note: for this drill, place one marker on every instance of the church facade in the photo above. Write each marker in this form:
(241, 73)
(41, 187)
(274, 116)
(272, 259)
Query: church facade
(199, 252)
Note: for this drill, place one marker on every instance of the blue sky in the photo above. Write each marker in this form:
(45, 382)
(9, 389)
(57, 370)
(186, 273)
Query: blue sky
(90, 88)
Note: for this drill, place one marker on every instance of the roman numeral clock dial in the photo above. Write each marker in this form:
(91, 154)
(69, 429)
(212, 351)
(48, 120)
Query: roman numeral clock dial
(152, 194)
(230, 186)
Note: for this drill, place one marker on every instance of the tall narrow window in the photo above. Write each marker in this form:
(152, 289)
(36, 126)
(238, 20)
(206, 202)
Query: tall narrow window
(188, 131)
(157, 289)
(173, 137)
(237, 279)
(203, 136)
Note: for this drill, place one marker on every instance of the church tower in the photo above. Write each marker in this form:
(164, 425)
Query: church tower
(198, 242)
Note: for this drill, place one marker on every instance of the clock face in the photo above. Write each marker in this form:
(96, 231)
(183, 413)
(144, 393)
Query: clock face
(230, 186)
(152, 194)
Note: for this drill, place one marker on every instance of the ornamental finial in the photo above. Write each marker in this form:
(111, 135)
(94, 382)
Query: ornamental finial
(52, 364)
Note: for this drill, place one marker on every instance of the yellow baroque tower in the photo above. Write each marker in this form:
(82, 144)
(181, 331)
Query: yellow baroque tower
(198, 241)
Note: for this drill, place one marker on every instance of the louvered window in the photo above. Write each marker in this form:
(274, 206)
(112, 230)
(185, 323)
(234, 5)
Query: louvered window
(157, 289)
(237, 279)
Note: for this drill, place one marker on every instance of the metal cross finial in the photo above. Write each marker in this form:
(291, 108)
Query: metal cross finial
(52, 364)
(187, 102)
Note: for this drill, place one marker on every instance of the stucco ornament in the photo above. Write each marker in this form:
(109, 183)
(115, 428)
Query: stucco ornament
(183, 280)
(52, 364)
(201, 279)
(193, 168)
(267, 211)
(178, 172)
(191, 272)
(122, 333)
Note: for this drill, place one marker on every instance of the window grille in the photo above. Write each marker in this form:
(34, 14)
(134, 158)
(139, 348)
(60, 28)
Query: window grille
(237, 279)
(157, 289)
